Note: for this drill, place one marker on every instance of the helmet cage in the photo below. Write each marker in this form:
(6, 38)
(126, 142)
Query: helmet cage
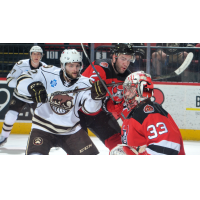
(129, 94)
(143, 85)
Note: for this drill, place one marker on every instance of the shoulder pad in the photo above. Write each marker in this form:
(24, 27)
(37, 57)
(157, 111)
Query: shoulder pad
(146, 107)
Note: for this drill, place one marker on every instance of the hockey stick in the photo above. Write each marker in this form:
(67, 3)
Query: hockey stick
(82, 89)
(97, 73)
(178, 71)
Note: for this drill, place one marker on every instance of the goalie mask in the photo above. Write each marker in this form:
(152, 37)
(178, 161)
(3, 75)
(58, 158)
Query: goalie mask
(36, 49)
(70, 56)
(123, 49)
(137, 87)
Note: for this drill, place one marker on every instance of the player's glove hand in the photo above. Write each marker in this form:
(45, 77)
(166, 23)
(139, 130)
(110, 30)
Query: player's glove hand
(114, 108)
(98, 91)
(38, 92)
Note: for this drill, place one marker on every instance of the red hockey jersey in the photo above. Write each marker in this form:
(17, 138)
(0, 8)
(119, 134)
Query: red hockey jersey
(105, 69)
(149, 124)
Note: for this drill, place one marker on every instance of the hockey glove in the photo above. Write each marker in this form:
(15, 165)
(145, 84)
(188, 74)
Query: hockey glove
(38, 92)
(115, 108)
(98, 91)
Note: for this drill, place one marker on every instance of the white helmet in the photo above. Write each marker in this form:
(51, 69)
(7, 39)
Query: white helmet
(36, 49)
(70, 56)
(137, 87)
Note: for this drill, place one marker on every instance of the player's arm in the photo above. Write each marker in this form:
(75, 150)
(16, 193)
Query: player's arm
(13, 75)
(31, 85)
(162, 136)
(90, 73)
(92, 99)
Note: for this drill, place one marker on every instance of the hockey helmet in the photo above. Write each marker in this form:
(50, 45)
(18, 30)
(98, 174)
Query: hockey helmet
(36, 49)
(125, 49)
(137, 87)
(70, 56)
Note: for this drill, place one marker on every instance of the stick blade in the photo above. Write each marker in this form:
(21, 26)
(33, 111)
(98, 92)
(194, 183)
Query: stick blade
(178, 71)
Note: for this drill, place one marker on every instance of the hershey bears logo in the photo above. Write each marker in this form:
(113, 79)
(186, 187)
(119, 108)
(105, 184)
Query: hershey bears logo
(61, 103)
(148, 109)
(38, 141)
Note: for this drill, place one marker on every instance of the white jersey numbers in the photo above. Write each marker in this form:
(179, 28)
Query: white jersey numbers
(152, 130)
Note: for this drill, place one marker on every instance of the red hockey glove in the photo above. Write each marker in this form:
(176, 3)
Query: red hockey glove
(114, 109)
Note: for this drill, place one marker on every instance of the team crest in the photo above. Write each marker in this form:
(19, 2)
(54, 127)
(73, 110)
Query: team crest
(117, 91)
(104, 64)
(38, 141)
(61, 103)
(148, 109)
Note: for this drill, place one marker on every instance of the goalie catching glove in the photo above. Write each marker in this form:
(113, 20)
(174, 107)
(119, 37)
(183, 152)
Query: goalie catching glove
(38, 92)
(98, 91)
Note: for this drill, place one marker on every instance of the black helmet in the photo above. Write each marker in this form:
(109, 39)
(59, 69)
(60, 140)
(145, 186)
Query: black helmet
(123, 48)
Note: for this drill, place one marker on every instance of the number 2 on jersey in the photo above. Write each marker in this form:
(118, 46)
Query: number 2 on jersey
(152, 130)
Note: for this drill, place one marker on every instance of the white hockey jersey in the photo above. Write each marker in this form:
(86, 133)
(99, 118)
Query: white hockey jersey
(60, 115)
(19, 68)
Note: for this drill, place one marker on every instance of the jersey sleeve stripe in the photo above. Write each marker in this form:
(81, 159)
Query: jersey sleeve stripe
(162, 150)
(22, 77)
(50, 127)
(9, 79)
(169, 144)
(20, 96)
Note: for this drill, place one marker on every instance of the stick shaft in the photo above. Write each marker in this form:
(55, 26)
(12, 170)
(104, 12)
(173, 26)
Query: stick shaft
(85, 89)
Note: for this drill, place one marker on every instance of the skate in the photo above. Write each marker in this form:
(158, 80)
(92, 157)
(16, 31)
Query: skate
(3, 140)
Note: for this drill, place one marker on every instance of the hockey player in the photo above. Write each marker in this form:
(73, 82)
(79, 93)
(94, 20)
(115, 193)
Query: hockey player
(148, 129)
(114, 70)
(17, 103)
(56, 122)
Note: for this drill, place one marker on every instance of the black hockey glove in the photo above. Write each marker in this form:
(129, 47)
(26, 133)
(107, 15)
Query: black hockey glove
(98, 91)
(38, 92)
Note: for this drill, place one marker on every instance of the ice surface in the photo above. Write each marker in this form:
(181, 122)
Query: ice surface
(16, 145)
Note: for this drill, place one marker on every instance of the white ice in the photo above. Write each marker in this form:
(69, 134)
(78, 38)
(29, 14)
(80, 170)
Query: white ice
(16, 145)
